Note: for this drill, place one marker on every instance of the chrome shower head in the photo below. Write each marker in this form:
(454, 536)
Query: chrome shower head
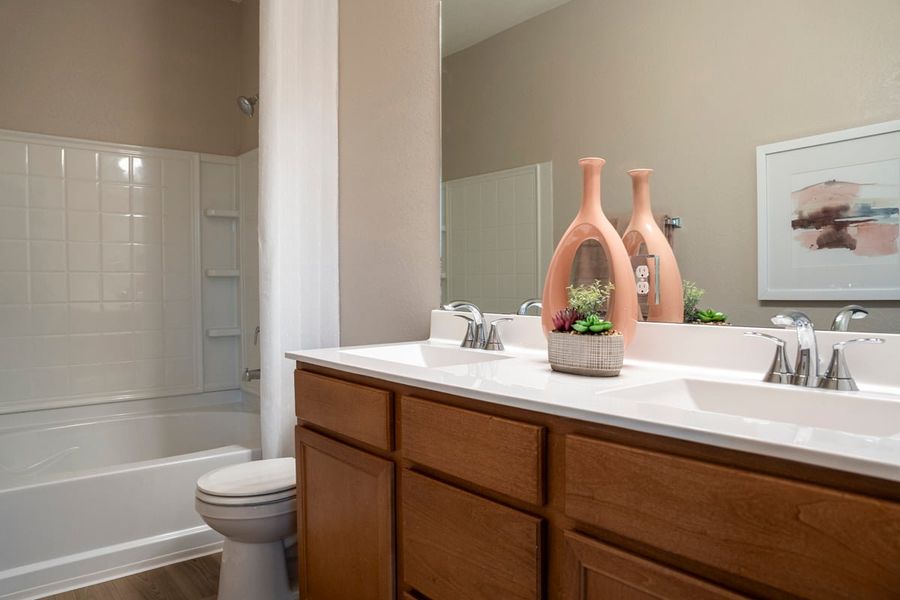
(247, 105)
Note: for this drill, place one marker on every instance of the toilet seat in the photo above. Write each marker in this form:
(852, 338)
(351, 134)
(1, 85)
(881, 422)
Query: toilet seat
(256, 479)
(246, 500)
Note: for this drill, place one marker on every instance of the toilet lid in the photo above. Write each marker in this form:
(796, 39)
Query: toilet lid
(254, 478)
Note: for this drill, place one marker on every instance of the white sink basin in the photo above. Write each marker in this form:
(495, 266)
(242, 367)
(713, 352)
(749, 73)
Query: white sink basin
(851, 413)
(426, 355)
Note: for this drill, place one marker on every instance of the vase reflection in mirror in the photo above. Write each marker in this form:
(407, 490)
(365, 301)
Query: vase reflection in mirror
(591, 224)
(643, 237)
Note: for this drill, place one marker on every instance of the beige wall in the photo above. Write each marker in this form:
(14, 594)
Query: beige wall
(159, 73)
(688, 88)
(389, 127)
(249, 71)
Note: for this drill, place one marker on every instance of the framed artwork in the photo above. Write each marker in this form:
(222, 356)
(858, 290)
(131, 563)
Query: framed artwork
(828, 216)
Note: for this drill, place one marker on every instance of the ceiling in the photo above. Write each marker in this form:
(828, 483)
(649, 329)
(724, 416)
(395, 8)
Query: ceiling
(467, 22)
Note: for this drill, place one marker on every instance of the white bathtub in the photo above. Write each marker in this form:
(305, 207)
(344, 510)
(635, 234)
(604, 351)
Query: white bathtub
(95, 493)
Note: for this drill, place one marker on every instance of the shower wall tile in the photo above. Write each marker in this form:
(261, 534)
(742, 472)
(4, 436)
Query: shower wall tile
(13, 190)
(13, 223)
(45, 160)
(13, 255)
(82, 195)
(13, 157)
(98, 281)
(81, 164)
(46, 192)
(115, 167)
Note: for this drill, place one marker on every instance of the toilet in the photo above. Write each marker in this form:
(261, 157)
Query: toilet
(254, 506)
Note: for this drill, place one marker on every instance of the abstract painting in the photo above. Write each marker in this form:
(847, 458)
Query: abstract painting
(847, 212)
(829, 216)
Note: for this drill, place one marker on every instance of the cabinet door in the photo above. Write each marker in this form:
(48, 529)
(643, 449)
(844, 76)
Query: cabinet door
(595, 571)
(345, 521)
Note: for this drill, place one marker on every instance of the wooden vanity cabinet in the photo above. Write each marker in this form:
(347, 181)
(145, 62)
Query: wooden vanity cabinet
(412, 494)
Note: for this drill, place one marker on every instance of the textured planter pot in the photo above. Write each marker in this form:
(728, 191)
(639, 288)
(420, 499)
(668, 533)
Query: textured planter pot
(590, 355)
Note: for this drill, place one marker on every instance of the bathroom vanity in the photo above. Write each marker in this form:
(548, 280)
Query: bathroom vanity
(412, 485)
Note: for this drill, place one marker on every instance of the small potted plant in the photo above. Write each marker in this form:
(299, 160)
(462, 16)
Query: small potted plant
(692, 295)
(712, 317)
(583, 342)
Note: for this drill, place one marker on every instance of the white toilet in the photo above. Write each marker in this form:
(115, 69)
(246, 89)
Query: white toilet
(254, 505)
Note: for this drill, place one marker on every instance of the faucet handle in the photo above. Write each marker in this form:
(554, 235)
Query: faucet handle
(471, 337)
(837, 376)
(780, 370)
(493, 340)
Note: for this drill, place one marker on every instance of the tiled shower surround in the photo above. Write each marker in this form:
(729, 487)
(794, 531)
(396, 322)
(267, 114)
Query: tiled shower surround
(99, 271)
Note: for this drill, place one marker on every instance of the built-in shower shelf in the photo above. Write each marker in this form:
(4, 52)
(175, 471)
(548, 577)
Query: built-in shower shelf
(223, 332)
(223, 273)
(222, 213)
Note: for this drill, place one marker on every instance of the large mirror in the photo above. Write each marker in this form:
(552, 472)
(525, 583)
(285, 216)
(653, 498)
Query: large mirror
(689, 89)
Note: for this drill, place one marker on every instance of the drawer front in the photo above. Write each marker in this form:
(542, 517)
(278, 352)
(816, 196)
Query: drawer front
(595, 571)
(458, 545)
(803, 539)
(357, 411)
(503, 455)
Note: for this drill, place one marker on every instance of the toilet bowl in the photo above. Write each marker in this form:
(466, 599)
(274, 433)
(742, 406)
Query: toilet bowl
(254, 506)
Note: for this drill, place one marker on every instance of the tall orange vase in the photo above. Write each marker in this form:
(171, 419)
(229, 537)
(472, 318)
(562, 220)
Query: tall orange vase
(642, 229)
(591, 224)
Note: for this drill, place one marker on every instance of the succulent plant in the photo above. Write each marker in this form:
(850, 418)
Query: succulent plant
(691, 294)
(711, 316)
(592, 324)
(590, 299)
(564, 319)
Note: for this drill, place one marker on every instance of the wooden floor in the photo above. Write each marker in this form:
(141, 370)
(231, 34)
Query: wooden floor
(190, 580)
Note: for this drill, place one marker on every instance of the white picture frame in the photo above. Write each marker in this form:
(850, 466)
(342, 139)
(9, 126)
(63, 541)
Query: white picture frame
(827, 216)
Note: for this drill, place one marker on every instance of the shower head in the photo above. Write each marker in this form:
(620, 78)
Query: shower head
(247, 105)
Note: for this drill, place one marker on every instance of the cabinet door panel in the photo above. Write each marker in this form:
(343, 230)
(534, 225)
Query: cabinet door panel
(345, 521)
(458, 545)
(595, 571)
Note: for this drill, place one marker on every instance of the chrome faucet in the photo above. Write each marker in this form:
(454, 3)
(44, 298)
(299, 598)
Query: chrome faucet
(536, 302)
(842, 319)
(475, 335)
(806, 366)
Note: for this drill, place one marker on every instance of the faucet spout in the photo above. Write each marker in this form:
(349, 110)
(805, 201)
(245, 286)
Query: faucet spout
(477, 317)
(806, 367)
(842, 319)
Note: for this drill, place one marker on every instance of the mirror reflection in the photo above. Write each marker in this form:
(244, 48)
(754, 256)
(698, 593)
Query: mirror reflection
(688, 89)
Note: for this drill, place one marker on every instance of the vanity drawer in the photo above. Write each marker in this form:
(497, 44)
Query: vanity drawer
(458, 545)
(356, 411)
(799, 538)
(595, 571)
(501, 454)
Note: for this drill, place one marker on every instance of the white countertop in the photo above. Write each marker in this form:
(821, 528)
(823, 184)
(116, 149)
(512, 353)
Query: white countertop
(525, 381)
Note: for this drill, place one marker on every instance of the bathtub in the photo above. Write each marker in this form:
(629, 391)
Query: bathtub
(99, 492)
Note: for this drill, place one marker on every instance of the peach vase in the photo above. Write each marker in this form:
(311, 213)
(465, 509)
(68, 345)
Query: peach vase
(643, 229)
(591, 224)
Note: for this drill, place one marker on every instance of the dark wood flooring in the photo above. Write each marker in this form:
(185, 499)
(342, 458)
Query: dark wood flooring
(195, 579)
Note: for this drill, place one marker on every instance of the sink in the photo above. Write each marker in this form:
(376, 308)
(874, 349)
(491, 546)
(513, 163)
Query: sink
(426, 355)
(851, 413)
